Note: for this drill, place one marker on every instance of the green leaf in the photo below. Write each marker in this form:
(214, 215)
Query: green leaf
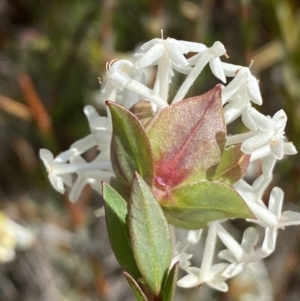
(140, 296)
(130, 147)
(187, 139)
(116, 214)
(233, 165)
(194, 205)
(169, 286)
(149, 234)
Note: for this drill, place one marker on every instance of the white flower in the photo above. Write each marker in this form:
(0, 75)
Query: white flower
(101, 133)
(271, 218)
(92, 176)
(214, 278)
(174, 50)
(210, 55)
(60, 172)
(167, 54)
(268, 131)
(254, 191)
(236, 107)
(119, 77)
(243, 80)
(208, 273)
(193, 237)
(54, 168)
(239, 255)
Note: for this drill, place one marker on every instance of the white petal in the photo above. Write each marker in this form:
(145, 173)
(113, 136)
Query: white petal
(99, 123)
(193, 270)
(188, 281)
(82, 145)
(250, 238)
(280, 116)
(77, 188)
(176, 56)
(254, 143)
(260, 185)
(253, 90)
(64, 156)
(67, 179)
(194, 47)
(248, 121)
(151, 56)
(217, 70)
(268, 165)
(289, 218)
(230, 69)
(263, 122)
(233, 270)
(269, 240)
(47, 158)
(220, 286)
(277, 148)
(57, 183)
(276, 201)
(90, 112)
(289, 149)
(217, 49)
(233, 88)
(227, 255)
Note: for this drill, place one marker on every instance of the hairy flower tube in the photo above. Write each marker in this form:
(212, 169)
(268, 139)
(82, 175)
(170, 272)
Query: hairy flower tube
(173, 161)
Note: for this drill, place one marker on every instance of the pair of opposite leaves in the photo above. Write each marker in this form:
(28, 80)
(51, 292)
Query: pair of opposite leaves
(180, 153)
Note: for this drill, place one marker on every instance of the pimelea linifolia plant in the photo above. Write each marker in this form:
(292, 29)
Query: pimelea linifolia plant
(168, 162)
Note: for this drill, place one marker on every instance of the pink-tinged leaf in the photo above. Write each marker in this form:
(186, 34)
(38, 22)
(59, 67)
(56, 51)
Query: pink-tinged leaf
(130, 146)
(233, 165)
(194, 205)
(187, 139)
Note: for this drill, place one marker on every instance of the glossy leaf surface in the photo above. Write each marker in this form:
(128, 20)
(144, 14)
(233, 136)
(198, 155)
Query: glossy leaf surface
(149, 234)
(192, 206)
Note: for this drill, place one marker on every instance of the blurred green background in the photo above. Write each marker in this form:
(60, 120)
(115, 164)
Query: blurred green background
(52, 54)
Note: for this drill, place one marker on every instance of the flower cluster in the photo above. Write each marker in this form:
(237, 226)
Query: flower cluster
(265, 142)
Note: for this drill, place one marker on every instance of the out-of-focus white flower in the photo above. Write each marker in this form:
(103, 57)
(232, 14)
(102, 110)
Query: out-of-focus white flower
(243, 80)
(56, 168)
(208, 273)
(101, 132)
(254, 191)
(94, 176)
(12, 236)
(239, 255)
(60, 172)
(271, 218)
(193, 237)
(214, 277)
